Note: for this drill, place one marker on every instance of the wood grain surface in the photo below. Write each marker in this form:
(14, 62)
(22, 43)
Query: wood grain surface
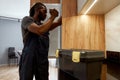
(83, 32)
(44, 1)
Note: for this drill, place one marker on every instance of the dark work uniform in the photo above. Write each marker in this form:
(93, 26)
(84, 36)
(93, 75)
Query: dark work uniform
(34, 58)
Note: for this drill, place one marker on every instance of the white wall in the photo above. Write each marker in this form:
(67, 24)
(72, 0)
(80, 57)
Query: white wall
(10, 36)
(112, 28)
(14, 8)
(10, 29)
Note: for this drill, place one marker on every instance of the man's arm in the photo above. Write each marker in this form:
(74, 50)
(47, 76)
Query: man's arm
(56, 24)
(40, 29)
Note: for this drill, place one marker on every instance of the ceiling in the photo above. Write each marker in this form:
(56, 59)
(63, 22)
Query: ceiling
(101, 6)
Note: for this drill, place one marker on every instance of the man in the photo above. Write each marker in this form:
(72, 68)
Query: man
(34, 58)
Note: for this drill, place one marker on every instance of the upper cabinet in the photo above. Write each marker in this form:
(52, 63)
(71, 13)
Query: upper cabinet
(14, 8)
(45, 1)
(69, 8)
(100, 6)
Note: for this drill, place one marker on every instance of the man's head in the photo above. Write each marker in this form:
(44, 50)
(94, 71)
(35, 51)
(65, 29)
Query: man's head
(39, 9)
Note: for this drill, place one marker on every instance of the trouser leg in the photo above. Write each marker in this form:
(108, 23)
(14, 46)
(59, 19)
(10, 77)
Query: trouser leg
(26, 67)
(41, 72)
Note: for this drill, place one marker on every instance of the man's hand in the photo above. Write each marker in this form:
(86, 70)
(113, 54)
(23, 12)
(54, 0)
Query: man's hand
(53, 12)
(59, 21)
(56, 24)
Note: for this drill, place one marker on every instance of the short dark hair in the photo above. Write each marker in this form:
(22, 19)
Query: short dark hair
(36, 6)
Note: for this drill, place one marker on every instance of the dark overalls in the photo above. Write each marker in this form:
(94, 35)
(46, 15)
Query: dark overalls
(34, 58)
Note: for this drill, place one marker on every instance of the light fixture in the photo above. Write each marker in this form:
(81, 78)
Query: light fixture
(90, 6)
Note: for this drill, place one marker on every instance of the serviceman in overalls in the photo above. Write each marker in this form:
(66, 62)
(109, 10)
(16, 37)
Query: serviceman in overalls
(34, 58)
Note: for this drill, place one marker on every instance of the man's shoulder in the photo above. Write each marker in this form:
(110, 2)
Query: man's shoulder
(27, 17)
(26, 21)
